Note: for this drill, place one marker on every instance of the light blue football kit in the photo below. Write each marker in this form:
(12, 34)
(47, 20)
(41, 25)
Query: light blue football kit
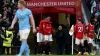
(23, 17)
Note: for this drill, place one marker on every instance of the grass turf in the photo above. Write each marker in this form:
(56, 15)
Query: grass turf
(49, 55)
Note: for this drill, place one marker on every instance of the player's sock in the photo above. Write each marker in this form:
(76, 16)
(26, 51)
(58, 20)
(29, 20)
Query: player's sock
(27, 51)
(22, 49)
(39, 49)
(90, 47)
(79, 49)
(44, 48)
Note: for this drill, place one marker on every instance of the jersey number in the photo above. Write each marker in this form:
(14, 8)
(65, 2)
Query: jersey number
(80, 29)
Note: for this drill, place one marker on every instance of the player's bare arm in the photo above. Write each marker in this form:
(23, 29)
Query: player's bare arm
(32, 23)
(13, 22)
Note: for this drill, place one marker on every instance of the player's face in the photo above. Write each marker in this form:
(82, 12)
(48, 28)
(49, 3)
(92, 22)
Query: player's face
(78, 21)
(48, 18)
(19, 5)
(5, 12)
(60, 27)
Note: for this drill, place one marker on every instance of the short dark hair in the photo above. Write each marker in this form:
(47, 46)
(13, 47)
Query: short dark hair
(80, 20)
(92, 21)
(47, 17)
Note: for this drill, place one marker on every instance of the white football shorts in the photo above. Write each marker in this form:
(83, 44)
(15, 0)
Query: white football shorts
(48, 38)
(43, 38)
(79, 41)
(90, 41)
(24, 33)
(39, 37)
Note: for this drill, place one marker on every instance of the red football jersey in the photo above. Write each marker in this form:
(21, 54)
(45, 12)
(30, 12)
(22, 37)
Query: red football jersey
(45, 27)
(79, 30)
(41, 26)
(90, 31)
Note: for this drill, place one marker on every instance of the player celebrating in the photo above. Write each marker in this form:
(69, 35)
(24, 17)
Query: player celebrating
(45, 34)
(24, 16)
(90, 34)
(79, 31)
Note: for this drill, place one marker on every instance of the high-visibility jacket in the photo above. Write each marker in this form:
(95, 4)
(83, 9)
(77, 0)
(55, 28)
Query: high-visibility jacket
(8, 39)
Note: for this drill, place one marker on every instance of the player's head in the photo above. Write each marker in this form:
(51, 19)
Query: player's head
(92, 22)
(21, 4)
(79, 20)
(48, 18)
(60, 28)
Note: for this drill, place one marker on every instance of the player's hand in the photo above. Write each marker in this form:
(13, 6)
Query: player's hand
(11, 27)
(85, 36)
(34, 31)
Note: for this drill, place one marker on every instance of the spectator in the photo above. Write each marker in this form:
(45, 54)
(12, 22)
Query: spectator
(0, 17)
(7, 11)
(60, 40)
(5, 20)
(94, 11)
(68, 40)
(97, 5)
(1, 42)
(98, 10)
(93, 2)
(10, 14)
(1, 39)
(88, 2)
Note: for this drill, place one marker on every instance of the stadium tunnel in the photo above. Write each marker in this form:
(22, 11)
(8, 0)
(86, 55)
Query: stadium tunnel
(61, 12)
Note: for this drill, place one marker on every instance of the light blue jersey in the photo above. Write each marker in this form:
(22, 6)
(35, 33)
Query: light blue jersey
(23, 17)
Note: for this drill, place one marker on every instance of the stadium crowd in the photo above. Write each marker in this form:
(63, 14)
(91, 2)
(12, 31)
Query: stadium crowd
(63, 39)
(7, 12)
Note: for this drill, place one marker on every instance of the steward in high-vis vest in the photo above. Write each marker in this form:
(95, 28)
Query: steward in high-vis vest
(7, 42)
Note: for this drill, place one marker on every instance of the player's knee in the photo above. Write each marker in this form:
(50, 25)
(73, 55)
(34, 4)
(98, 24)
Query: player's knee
(23, 40)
